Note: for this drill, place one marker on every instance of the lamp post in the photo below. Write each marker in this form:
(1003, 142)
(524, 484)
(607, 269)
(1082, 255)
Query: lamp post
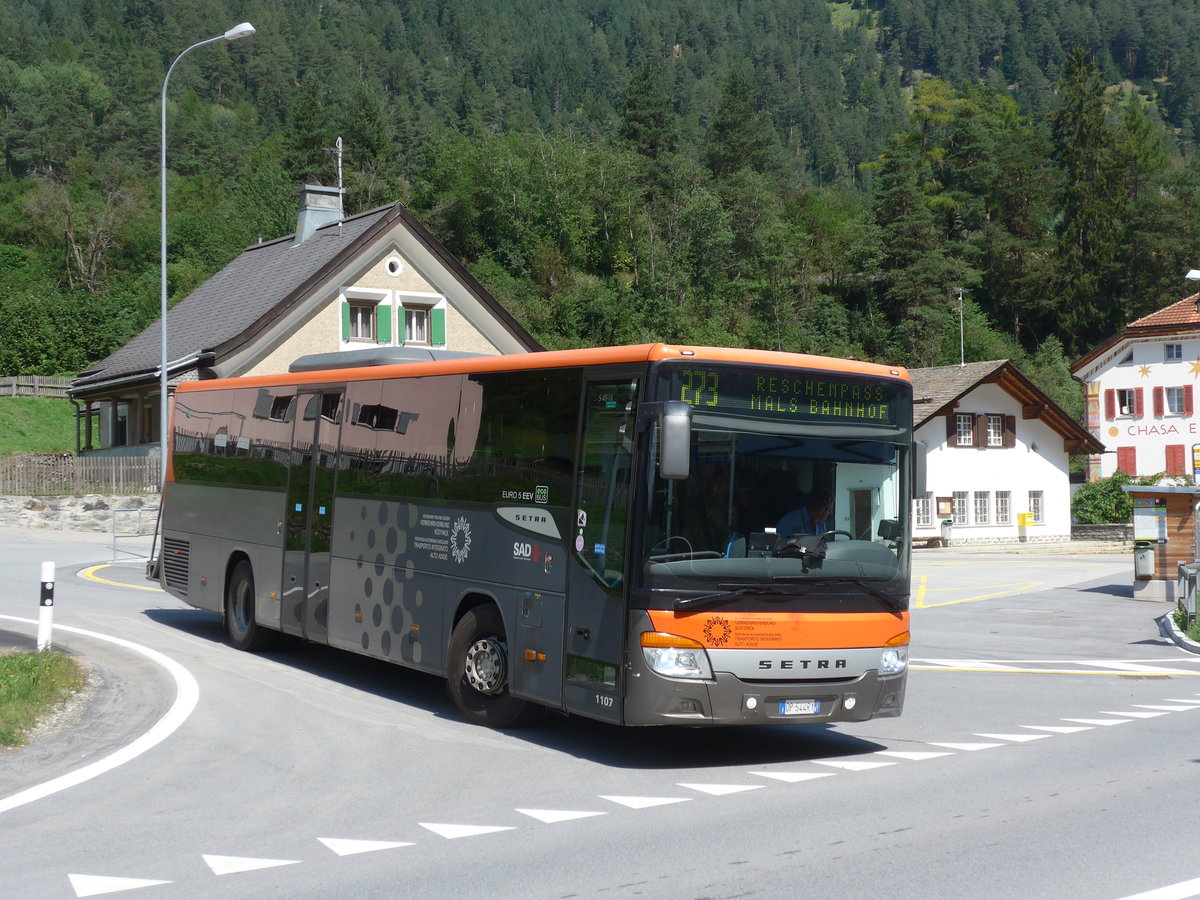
(237, 31)
(962, 356)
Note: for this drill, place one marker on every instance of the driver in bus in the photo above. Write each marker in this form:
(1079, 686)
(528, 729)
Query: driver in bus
(809, 518)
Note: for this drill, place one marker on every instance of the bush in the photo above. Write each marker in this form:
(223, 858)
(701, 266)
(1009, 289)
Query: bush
(1103, 502)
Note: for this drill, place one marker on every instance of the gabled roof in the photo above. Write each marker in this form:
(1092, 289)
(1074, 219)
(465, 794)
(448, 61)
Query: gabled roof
(260, 286)
(1178, 318)
(938, 390)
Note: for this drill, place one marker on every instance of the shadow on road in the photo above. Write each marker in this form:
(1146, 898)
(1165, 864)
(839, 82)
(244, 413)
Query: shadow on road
(662, 747)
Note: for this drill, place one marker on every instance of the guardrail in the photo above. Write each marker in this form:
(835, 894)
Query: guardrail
(1189, 574)
(143, 525)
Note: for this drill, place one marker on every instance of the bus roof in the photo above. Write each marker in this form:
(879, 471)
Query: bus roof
(553, 359)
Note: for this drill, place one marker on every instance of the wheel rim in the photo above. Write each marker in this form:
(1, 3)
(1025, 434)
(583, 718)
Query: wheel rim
(485, 668)
(241, 606)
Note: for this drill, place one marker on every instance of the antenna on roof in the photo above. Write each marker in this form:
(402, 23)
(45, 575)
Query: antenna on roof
(336, 149)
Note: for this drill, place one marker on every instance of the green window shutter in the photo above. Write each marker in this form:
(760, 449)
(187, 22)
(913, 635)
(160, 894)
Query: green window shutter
(437, 327)
(383, 323)
(345, 321)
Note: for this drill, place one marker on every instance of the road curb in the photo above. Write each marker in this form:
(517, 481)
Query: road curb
(1168, 629)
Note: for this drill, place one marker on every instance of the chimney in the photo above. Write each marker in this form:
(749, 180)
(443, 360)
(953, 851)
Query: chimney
(318, 206)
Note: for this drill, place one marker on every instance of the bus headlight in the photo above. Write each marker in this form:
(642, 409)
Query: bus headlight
(674, 656)
(894, 658)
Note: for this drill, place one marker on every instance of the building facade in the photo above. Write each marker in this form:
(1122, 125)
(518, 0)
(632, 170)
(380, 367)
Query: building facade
(997, 454)
(1140, 386)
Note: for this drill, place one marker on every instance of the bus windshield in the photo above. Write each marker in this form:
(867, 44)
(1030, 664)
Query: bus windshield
(777, 493)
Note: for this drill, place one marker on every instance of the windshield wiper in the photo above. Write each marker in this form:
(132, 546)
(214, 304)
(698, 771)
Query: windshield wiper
(883, 597)
(686, 603)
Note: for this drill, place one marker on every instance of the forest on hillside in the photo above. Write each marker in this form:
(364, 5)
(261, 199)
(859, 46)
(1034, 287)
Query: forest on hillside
(826, 177)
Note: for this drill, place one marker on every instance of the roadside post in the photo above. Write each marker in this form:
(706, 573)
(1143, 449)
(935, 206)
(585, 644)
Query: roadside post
(46, 607)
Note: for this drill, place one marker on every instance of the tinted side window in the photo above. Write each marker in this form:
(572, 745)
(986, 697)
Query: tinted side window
(239, 436)
(515, 438)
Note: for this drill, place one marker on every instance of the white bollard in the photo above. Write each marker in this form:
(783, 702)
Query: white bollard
(46, 607)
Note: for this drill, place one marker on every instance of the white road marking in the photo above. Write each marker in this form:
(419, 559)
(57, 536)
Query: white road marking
(1181, 891)
(554, 816)
(1104, 722)
(95, 885)
(1136, 715)
(1060, 729)
(913, 755)
(346, 847)
(970, 748)
(852, 765)
(187, 694)
(644, 802)
(450, 832)
(794, 777)
(720, 790)
(1017, 738)
(1164, 708)
(232, 865)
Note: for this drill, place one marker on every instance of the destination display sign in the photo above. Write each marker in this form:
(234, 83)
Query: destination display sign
(786, 393)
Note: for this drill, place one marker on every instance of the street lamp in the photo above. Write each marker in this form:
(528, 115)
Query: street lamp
(237, 31)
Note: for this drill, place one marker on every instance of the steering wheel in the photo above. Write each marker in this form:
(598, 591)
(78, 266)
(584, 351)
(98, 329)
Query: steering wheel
(829, 534)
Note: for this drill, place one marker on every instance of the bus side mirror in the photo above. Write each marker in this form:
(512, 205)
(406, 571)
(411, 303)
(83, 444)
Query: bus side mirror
(918, 468)
(674, 439)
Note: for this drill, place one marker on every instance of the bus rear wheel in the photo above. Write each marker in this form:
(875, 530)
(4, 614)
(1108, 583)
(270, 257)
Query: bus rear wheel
(244, 632)
(478, 674)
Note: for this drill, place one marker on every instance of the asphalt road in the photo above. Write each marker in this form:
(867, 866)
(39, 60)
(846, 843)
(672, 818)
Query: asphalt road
(1048, 749)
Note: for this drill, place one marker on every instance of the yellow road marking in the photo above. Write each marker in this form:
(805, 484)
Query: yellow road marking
(90, 575)
(1004, 590)
(1016, 671)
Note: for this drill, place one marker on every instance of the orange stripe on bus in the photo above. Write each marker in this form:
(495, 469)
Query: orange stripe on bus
(551, 359)
(783, 631)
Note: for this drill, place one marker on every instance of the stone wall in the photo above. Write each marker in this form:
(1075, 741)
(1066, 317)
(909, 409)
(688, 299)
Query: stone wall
(1120, 531)
(91, 512)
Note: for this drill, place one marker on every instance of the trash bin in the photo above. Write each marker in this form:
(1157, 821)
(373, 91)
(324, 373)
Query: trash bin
(1143, 559)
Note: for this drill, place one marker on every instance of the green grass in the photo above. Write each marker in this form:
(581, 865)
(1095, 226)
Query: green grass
(31, 685)
(36, 425)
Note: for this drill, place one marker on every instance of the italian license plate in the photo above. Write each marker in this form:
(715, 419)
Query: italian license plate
(799, 707)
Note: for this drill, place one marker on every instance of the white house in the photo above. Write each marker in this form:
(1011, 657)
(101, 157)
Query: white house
(997, 455)
(1140, 387)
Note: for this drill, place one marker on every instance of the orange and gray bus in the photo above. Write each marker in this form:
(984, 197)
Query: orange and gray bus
(600, 532)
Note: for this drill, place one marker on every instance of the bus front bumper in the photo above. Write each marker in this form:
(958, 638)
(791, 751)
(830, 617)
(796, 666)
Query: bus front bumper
(729, 700)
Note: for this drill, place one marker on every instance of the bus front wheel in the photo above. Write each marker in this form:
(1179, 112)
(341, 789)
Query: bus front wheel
(244, 632)
(478, 674)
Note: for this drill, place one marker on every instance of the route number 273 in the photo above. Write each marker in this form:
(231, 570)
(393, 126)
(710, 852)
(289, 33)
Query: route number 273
(699, 388)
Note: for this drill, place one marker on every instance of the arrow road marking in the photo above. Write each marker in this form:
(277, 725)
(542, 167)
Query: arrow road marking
(95, 885)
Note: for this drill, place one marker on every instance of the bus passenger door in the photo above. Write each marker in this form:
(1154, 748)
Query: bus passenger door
(595, 627)
(309, 524)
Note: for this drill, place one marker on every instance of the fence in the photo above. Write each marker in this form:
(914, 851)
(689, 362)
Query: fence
(32, 474)
(34, 386)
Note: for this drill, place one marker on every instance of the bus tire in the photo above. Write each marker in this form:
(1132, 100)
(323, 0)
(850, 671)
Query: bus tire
(244, 632)
(478, 673)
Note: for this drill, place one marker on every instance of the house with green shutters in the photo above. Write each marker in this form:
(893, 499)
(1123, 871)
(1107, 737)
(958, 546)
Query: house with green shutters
(377, 279)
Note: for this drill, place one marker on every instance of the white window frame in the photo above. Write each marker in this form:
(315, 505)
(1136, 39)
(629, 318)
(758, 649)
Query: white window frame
(1173, 352)
(982, 510)
(964, 430)
(1003, 507)
(995, 430)
(363, 316)
(1035, 507)
(416, 325)
(923, 510)
(959, 516)
(1173, 400)
(1126, 403)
